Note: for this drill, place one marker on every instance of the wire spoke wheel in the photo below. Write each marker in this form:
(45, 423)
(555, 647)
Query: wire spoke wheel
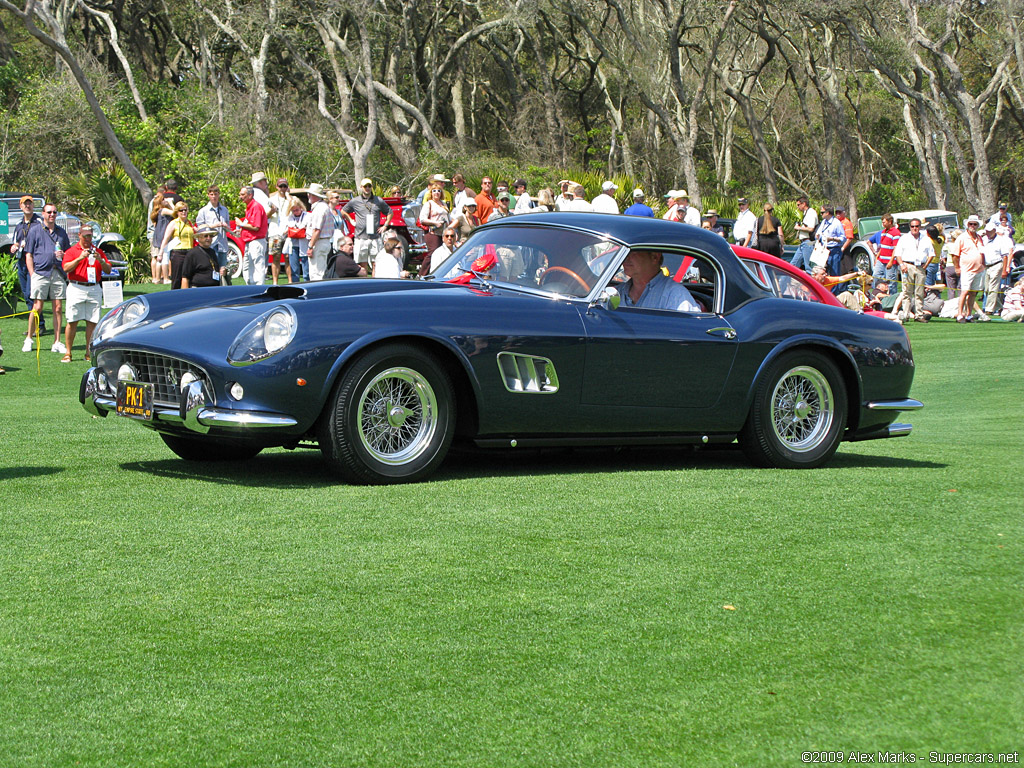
(397, 415)
(798, 414)
(802, 409)
(391, 416)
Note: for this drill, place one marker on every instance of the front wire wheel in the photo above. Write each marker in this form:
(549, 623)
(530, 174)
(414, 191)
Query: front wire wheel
(397, 415)
(798, 415)
(390, 418)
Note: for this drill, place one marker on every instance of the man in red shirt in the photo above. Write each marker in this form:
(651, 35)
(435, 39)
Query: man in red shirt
(485, 202)
(253, 237)
(885, 268)
(83, 263)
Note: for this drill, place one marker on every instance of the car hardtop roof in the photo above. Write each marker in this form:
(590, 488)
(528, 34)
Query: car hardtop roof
(18, 195)
(931, 212)
(630, 230)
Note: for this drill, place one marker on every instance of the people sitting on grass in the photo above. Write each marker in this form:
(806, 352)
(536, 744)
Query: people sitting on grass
(1013, 303)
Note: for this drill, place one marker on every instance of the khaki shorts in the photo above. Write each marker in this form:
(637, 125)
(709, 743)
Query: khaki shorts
(274, 246)
(83, 303)
(47, 287)
(365, 250)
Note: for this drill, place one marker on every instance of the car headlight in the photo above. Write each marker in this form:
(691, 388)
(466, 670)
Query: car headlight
(268, 334)
(122, 317)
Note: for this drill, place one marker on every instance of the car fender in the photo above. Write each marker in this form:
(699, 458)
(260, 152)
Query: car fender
(109, 237)
(406, 334)
(847, 366)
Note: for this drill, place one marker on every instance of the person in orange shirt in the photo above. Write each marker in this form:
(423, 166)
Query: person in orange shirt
(967, 251)
(485, 202)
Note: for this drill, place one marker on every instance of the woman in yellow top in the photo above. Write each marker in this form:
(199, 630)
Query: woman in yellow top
(180, 237)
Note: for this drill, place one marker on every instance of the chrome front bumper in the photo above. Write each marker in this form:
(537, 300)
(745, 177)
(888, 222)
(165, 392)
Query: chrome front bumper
(192, 412)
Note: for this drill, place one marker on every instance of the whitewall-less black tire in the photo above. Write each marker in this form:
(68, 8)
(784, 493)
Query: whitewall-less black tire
(798, 414)
(390, 418)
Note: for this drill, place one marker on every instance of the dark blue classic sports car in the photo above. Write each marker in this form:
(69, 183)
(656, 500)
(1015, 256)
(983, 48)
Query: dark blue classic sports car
(518, 339)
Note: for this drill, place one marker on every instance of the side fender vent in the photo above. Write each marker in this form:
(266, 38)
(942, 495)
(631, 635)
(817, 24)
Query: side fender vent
(526, 373)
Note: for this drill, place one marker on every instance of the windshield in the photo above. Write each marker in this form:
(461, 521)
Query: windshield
(557, 261)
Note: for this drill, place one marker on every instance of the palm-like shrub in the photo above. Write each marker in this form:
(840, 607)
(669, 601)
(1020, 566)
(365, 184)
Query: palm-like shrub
(108, 196)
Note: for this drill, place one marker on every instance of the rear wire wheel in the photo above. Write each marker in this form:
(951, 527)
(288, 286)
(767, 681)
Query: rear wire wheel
(798, 415)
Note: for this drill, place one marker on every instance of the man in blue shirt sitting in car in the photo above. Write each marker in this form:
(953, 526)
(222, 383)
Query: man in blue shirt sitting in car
(650, 288)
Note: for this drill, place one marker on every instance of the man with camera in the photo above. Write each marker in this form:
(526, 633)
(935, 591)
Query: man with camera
(84, 263)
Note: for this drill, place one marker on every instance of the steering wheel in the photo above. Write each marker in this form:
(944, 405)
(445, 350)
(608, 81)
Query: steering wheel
(555, 271)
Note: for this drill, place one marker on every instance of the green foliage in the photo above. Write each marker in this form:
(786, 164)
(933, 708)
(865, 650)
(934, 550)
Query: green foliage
(9, 286)
(724, 204)
(886, 198)
(108, 195)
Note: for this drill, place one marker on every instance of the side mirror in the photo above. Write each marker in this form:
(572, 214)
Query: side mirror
(609, 299)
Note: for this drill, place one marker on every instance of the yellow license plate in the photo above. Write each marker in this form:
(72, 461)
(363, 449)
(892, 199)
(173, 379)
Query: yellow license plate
(135, 400)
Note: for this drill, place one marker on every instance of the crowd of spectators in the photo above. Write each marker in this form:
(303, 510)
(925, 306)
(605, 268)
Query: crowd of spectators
(323, 236)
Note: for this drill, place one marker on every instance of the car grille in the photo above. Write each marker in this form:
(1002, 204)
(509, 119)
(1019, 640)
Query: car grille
(165, 373)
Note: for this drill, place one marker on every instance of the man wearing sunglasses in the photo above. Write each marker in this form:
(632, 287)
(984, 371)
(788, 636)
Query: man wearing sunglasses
(44, 252)
(913, 253)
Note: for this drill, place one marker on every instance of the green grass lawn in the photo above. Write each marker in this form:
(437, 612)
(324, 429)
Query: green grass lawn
(563, 609)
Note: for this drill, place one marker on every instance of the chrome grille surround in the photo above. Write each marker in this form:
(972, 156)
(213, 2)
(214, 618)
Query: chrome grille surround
(162, 371)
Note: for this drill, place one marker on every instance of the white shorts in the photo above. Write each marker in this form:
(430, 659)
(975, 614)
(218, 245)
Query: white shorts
(365, 250)
(47, 287)
(83, 303)
(972, 281)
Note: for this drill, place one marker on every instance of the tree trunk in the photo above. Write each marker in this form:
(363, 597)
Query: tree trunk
(60, 48)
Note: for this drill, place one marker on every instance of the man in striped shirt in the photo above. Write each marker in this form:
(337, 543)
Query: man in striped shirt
(885, 268)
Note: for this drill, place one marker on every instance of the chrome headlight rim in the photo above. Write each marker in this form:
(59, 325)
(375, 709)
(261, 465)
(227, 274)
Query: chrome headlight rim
(127, 314)
(251, 345)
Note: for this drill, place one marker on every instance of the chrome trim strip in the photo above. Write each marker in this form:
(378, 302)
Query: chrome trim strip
(895, 405)
(220, 417)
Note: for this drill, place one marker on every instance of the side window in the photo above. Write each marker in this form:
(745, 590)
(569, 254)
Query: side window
(788, 287)
(679, 281)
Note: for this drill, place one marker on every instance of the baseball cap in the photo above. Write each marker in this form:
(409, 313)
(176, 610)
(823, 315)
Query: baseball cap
(638, 192)
(365, 182)
(609, 185)
(972, 219)
(519, 183)
(743, 201)
(503, 196)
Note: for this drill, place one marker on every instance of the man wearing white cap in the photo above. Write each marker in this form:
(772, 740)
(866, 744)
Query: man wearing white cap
(363, 213)
(261, 192)
(605, 202)
(690, 213)
(319, 231)
(997, 252)
(639, 208)
(967, 253)
(672, 201)
(746, 223)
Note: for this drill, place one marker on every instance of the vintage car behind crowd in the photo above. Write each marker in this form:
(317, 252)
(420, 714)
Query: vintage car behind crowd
(519, 341)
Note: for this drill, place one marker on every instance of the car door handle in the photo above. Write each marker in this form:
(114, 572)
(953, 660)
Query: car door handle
(725, 333)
